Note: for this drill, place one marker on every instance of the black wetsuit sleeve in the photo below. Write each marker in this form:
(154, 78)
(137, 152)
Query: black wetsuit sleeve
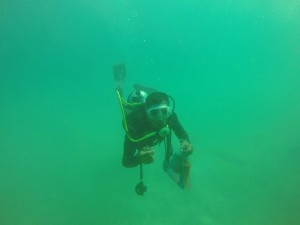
(177, 128)
(129, 159)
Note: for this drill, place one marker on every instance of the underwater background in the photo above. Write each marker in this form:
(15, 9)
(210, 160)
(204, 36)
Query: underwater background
(233, 68)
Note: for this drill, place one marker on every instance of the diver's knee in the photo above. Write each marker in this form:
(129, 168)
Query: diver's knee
(125, 163)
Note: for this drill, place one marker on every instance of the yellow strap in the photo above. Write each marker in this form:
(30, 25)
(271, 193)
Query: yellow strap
(122, 103)
(122, 109)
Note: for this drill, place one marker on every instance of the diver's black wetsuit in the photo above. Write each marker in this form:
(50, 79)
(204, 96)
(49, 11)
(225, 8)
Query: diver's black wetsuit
(138, 126)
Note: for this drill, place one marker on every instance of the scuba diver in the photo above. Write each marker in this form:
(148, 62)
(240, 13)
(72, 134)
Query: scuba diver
(149, 119)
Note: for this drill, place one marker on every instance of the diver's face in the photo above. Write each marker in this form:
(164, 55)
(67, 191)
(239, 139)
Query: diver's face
(159, 123)
(158, 114)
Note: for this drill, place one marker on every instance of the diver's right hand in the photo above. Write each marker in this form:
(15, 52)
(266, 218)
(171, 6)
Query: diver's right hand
(146, 155)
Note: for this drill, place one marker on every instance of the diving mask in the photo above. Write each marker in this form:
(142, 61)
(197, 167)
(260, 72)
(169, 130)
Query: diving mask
(159, 112)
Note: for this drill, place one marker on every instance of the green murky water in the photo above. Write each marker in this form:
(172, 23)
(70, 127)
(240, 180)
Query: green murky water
(233, 69)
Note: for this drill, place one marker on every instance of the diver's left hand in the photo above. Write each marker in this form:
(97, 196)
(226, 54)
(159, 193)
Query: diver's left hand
(186, 147)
